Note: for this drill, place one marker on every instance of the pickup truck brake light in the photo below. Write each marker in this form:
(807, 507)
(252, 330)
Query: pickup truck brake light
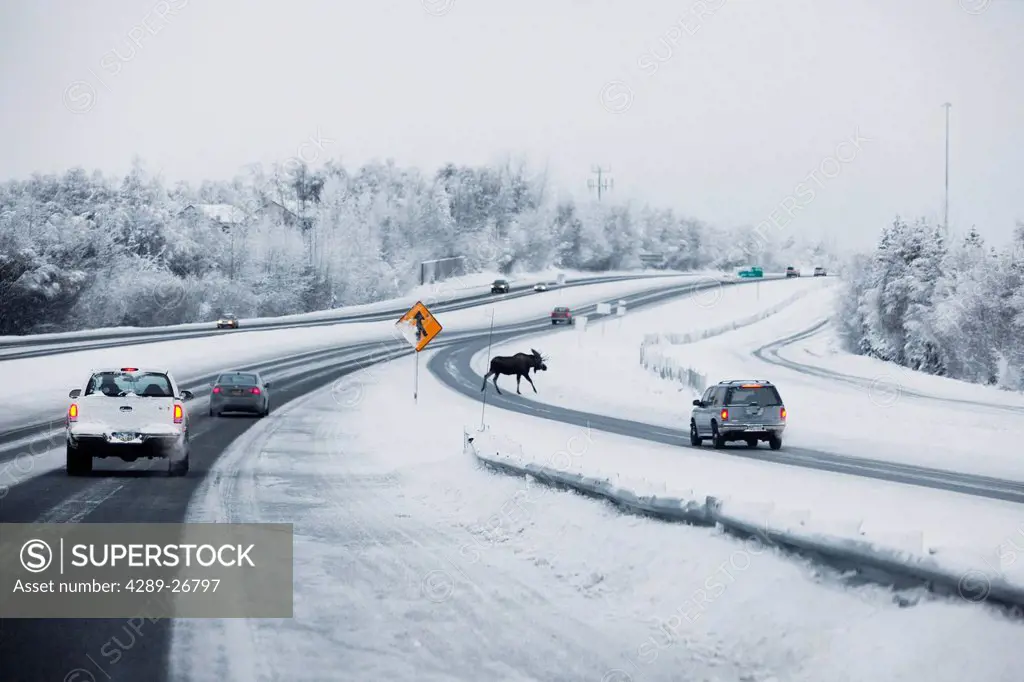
(782, 413)
(725, 415)
(73, 412)
(179, 413)
(129, 369)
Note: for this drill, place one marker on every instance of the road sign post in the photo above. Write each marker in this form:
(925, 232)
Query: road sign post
(419, 327)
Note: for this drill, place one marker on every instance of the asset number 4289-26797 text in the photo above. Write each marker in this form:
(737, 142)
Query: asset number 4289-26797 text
(173, 585)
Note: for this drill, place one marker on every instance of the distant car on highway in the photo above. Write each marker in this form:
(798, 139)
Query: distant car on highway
(540, 286)
(819, 271)
(562, 314)
(500, 286)
(752, 271)
(228, 321)
(739, 410)
(792, 272)
(239, 391)
(128, 413)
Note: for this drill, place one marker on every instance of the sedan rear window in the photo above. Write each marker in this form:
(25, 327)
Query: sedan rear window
(762, 395)
(237, 379)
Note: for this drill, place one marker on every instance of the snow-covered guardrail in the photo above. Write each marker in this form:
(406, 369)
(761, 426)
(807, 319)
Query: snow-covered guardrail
(693, 337)
(872, 561)
(654, 359)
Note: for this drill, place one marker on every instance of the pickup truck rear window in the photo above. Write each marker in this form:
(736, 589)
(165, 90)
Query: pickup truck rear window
(117, 384)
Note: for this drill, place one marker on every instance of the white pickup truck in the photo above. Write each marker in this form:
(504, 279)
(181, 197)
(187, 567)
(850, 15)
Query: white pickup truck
(128, 413)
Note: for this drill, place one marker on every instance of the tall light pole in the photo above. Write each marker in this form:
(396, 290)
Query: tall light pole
(602, 183)
(945, 213)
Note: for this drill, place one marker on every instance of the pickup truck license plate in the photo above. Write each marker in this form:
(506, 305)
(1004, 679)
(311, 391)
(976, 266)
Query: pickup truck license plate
(123, 437)
(755, 427)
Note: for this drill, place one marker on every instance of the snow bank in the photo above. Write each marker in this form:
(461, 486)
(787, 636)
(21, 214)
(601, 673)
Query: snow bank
(973, 575)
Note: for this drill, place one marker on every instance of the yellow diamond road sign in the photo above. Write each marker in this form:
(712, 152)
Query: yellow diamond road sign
(419, 326)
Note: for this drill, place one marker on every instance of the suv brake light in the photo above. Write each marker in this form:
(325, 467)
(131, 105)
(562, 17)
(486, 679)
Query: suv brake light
(216, 389)
(254, 390)
(782, 413)
(179, 413)
(725, 415)
(73, 412)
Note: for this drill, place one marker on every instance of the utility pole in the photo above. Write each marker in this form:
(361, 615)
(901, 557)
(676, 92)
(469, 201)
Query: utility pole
(945, 213)
(601, 183)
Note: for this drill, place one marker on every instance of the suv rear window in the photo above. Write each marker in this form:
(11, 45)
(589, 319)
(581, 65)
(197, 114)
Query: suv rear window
(237, 379)
(763, 395)
(116, 384)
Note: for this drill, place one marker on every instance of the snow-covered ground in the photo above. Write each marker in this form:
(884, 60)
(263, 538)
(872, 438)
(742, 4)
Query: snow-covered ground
(437, 292)
(880, 419)
(36, 388)
(598, 369)
(411, 562)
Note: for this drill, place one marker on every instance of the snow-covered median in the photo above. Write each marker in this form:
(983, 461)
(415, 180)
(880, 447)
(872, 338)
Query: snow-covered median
(431, 294)
(598, 369)
(36, 388)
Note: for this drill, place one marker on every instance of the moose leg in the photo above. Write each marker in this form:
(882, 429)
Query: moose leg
(531, 383)
(496, 384)
(519, 377)
(486, 377)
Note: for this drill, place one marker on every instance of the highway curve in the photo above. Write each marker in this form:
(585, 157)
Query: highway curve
(32, 347)
(770, 353)
(452, 366)
(35, 650)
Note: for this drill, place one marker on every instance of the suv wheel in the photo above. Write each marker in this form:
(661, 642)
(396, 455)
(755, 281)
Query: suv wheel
(716, 438)
(695, 439)
(775, 442)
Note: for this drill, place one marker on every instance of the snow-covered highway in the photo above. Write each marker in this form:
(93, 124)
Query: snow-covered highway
(410, 561)
(36, 488)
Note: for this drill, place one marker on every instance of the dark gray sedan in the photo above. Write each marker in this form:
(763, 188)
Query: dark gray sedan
(238, 391)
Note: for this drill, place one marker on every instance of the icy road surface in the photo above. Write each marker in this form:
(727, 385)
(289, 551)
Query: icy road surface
(412, 563)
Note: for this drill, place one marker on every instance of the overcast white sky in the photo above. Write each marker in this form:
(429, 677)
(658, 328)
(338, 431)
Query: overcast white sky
(727, 112)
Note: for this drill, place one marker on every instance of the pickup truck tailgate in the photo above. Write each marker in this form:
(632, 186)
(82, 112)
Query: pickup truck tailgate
(103, 414)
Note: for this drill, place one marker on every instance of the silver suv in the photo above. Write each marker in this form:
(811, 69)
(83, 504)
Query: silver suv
(749, 410)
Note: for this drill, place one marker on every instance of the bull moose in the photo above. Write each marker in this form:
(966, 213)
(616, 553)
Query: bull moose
(519, 364)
